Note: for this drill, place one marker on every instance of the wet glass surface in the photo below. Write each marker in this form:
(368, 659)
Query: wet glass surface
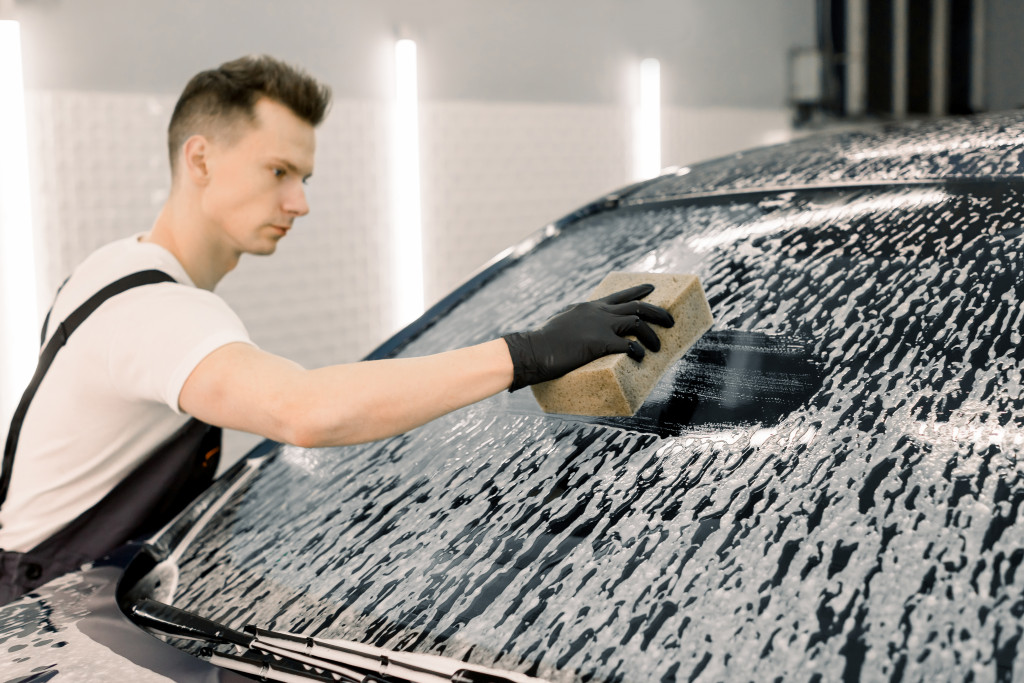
(728, 377)
(827, 485)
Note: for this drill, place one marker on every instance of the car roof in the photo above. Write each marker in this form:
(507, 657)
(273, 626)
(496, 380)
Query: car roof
(937, 150)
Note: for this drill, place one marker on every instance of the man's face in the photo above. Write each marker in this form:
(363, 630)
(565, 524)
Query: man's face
(255, 189)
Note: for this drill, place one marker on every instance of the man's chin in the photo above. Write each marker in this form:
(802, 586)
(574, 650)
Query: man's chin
(263, 249)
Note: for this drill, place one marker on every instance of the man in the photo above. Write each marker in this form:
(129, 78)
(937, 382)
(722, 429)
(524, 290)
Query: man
(114, 435)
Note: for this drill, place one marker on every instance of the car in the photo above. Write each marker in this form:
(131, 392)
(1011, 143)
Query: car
(826, 486)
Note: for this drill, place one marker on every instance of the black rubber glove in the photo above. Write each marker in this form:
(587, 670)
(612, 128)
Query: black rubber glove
(585, 332)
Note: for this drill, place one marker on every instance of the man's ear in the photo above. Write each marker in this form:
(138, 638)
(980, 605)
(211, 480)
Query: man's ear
(196, 158)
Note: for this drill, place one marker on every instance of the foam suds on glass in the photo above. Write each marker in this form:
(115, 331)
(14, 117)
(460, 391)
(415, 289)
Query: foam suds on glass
(861, 526)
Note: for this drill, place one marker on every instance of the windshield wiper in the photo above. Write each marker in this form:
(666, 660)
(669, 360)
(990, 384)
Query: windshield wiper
(279, 656)
(406, 666)
(268, 667)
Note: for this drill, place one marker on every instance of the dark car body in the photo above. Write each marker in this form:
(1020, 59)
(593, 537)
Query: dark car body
(827, 486)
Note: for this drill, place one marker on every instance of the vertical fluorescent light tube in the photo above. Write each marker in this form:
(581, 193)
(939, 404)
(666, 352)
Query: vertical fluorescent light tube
(856, 57)
(408, 244)
(647, 134)
(978, 37)
(900, 33)
(939, 57)
(18, 305)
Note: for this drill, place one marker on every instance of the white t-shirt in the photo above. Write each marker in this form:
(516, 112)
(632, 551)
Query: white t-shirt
(111, 395)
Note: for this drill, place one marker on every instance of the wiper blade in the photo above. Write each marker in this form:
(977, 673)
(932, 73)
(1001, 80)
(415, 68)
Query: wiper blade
(291, 657)
(273, 666)
(268, 668)
(410, 666)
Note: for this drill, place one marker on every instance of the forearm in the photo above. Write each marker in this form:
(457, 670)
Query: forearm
(241, 387)
(345, 404)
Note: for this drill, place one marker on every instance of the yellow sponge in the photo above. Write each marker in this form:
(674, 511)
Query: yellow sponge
(617, 385)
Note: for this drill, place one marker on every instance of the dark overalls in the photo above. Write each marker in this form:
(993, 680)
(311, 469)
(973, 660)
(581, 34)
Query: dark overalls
(159, 488)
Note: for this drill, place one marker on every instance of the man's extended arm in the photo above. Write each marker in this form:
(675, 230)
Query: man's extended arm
(241, 387)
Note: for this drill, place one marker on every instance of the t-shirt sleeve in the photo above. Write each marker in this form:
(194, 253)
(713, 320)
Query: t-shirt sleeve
(160, 333)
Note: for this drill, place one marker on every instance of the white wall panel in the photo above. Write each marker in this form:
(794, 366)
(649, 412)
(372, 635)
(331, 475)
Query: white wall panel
(693, 134)
(494, 173)
(98, 166)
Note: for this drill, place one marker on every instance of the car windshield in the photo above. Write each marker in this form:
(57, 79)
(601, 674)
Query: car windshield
(827, 479)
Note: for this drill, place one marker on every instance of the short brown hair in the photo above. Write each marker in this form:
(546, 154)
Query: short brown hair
(221, 97)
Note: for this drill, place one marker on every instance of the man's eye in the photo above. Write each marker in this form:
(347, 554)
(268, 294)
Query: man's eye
(279, 172)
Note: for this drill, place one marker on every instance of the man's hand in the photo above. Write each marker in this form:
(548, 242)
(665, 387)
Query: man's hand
(585, 332)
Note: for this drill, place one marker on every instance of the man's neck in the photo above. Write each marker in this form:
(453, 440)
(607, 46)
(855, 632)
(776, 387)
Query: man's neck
(197, 247)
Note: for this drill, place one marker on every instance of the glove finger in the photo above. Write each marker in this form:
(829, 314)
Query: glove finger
(656, 314)
(615, 343)
(639, 329)
(647, 336)
(630, 294)
(635, 351)
(646, 312)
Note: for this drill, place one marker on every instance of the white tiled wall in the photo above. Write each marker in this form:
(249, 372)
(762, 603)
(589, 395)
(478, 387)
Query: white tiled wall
(491, 174)
(98, 166)
(691, 134)
(494, 173)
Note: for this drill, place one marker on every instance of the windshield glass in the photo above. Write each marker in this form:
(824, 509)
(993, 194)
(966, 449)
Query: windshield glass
(827, 482)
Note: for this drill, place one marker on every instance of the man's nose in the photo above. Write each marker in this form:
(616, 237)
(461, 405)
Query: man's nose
(295, 202)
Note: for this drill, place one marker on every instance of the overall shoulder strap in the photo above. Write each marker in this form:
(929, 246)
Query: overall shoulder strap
(59, 338)
(46, 320)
